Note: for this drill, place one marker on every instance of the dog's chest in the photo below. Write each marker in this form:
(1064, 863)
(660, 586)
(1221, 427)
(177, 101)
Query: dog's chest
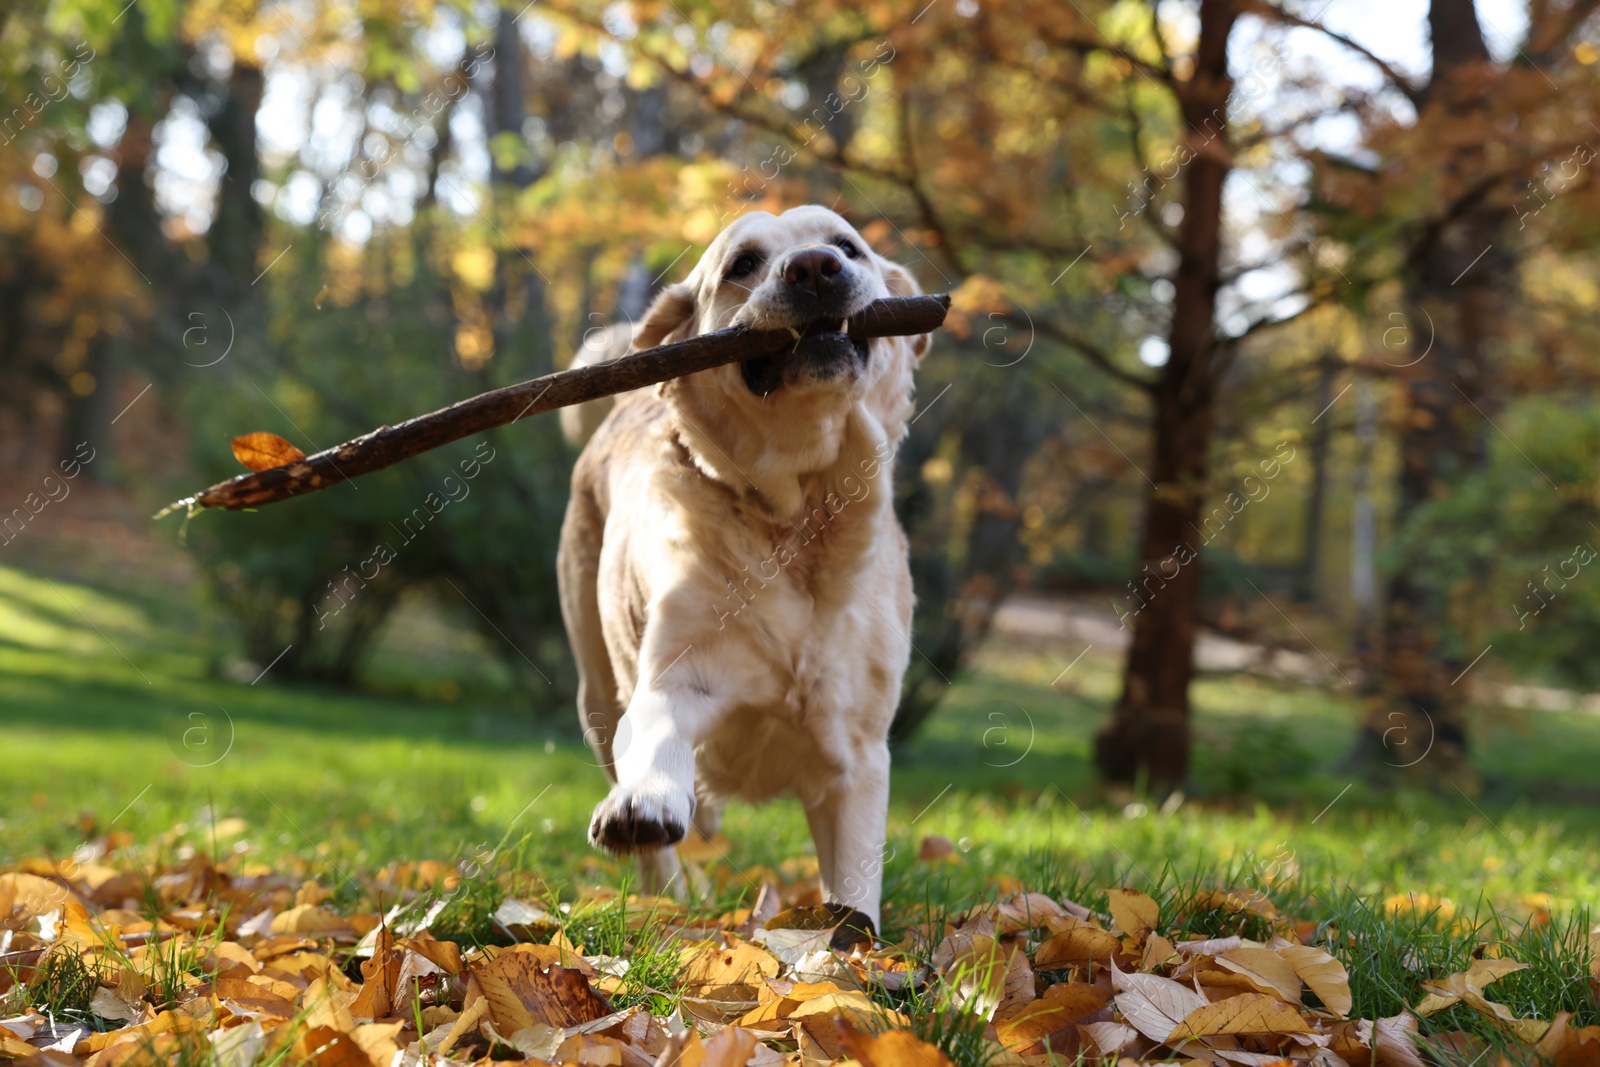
(820, 664)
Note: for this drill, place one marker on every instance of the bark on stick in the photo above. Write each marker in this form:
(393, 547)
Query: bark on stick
(388, 445)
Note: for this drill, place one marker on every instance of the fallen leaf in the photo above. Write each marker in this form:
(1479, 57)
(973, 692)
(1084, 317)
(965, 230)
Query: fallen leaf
(238, 1046)
(380, 979)
(164, 1023)
(325, 1004)
(792, 946)
(985, 976)
(1050, 1024)
(310, 919)
(1211, 946)
(778, 1001)
(1027, 911)
(1109, 1038)
(521, 919)
(262, 451)
(1153, 1005)
(730, 1047)
(1528, 1031)
(1133, 912)
(520, 993)
(1393, 1041)
(325, 1047)
(892, 1048)
(12, 1047)
(1268, 971)
(380, 1041)
(1443, 992)
(732, 972)
(1158, 952)
(26, 897)
(1322, 974)
(1247, 901)
(109, 1004)
(1079, 945)
(1568, 1046)
(445, 955)
(851, 1005)
(240, 993)
(848, 927)
(1247, 1013)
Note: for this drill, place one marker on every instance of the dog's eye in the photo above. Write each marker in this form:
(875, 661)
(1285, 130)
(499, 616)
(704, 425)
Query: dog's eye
(742, 266)
(848, 247)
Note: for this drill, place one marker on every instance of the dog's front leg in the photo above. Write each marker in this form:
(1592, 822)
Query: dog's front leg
(852, 821)
(653, 800)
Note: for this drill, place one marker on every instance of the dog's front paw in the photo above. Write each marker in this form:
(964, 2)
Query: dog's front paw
(631, 818)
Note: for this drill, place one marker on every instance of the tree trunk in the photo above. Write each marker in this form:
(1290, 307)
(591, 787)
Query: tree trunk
(1416, 710)
(505, 100)
(1364, 531)
(1306, 571)
(235, 238)
(1148, 735)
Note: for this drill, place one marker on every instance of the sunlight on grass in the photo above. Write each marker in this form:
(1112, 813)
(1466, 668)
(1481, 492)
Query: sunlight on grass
(353, 780)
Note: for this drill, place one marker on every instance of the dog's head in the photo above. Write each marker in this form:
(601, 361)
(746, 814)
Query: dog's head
(807, 269)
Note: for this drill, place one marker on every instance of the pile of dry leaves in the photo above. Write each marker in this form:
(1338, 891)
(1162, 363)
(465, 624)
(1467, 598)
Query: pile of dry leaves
(242, 969)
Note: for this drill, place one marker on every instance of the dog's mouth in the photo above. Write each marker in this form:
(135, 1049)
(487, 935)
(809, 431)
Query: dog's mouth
(764, 375)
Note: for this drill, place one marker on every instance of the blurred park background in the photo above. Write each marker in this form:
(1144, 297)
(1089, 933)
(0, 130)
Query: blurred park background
(1252, 493)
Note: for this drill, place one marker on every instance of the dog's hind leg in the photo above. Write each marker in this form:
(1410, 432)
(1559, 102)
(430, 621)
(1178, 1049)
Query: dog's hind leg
(578, 566)
(660, 872)
(707, 818)
(848, 825)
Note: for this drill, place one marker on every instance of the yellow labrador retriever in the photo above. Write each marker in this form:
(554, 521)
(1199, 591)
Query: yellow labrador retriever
(733, 579)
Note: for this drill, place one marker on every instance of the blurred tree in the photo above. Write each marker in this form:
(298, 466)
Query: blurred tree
(1433, 210)
(1149, 728)
(474, 187)
(1015, 153)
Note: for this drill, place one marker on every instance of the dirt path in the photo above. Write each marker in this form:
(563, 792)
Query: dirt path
(1073, 624)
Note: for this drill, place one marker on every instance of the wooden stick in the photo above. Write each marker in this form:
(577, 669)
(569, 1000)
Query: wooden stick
(388, 445)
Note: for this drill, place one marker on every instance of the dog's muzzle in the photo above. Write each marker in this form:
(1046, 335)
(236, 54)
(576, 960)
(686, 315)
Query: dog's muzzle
(822, 352)
(816, 289)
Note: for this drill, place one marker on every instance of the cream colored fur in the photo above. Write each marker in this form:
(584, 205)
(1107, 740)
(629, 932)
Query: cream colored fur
(733, 579)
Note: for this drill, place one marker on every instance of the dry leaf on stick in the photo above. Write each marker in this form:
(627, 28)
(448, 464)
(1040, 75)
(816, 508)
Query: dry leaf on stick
(263, 451)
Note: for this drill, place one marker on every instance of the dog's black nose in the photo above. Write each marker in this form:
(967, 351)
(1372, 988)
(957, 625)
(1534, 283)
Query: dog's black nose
(815, 269)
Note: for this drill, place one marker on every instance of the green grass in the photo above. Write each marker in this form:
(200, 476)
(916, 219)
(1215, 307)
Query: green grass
(113, 720)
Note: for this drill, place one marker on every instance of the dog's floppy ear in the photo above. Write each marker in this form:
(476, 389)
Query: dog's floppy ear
(669, 319)
(901, 283)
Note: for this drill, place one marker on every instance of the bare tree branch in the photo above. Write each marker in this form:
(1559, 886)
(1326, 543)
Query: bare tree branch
(1097, 357)
(1399, 80)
